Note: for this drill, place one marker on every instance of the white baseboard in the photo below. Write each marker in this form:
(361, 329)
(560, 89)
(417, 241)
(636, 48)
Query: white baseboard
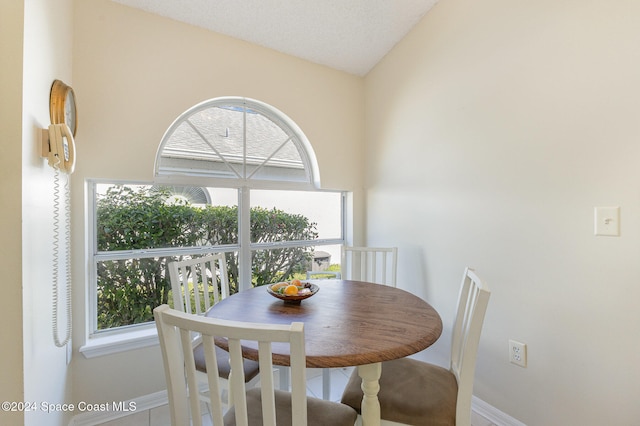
(492, 415)
(143, 403)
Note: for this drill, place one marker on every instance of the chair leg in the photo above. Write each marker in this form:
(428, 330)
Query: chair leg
(326, 383)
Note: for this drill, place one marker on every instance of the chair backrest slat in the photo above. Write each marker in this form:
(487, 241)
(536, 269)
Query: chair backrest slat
(215, 393)
(268, 398)
(298, 375)
(472, 305)
(190, 369)
(237, 381)
(174, 331)
(372, 264)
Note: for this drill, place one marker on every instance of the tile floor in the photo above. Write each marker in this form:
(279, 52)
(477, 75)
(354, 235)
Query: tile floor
(339, 376)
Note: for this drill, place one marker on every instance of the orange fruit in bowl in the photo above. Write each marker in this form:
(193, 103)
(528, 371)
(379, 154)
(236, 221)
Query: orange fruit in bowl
(291, 290)
(296, 282)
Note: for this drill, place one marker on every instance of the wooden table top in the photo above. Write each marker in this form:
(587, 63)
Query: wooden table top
(346, 323)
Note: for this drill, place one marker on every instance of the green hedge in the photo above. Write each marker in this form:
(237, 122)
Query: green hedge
(130, 219)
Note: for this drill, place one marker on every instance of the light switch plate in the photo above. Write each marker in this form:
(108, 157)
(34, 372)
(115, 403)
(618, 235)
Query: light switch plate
(607, 221)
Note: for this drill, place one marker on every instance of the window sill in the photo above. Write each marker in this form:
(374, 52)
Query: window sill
(114, 343)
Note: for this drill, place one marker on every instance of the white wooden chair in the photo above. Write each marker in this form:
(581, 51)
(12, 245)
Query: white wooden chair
(257, 406)
(208, 274)
(372, 264)
(196, 285)
(413, 392)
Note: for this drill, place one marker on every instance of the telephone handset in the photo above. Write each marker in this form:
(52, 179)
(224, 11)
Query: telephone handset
(61, 155)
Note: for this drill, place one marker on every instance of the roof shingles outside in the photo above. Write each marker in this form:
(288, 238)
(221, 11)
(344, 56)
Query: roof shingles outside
(220, 131)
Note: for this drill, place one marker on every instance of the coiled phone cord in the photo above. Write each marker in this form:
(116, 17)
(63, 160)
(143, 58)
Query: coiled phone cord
(56, 256)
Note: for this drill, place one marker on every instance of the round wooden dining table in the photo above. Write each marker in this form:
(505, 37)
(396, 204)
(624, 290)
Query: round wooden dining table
(346, 323)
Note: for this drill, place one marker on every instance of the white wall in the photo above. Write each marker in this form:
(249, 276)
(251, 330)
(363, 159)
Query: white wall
(11, 368)
(134, 73)
(35, 46)
(48, 32)
(492, 131)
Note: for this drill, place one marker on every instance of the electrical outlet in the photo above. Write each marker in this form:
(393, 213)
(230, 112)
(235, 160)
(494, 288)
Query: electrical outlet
(518, 353)
(607, 221)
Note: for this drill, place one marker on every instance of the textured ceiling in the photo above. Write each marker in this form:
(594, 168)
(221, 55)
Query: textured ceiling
(348, 35)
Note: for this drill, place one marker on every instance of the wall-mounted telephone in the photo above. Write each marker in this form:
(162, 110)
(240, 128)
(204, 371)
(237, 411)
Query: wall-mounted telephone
(59, 148)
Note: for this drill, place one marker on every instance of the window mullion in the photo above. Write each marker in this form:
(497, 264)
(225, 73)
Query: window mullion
(299, 243)
(244, 142)
(244, 235)
(163, 252)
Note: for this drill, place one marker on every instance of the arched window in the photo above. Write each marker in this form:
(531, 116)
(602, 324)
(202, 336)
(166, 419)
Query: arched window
(237, 139)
